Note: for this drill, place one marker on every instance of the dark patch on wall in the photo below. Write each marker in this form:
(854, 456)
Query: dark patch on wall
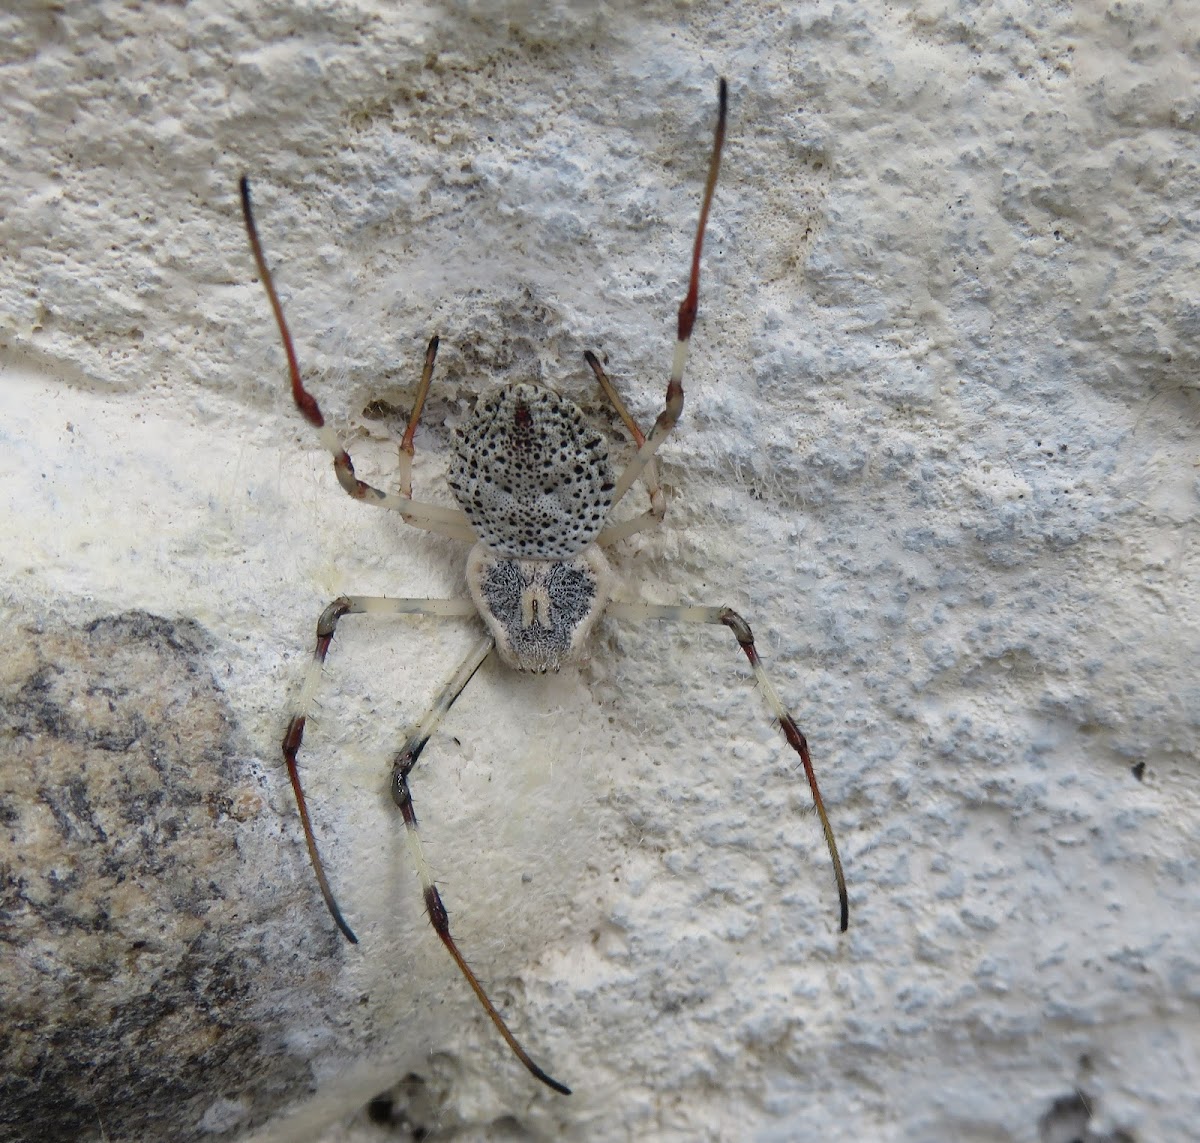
(1067, 1122)
(133, 933)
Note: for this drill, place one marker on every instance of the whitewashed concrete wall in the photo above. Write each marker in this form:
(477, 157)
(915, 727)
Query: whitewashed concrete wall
(940, 447)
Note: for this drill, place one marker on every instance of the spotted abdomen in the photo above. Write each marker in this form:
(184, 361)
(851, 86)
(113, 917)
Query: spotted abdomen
(531, 474)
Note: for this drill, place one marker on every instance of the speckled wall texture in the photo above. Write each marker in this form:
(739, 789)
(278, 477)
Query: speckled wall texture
(940, 447)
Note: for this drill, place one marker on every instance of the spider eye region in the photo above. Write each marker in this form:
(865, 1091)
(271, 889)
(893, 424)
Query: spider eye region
(531, 474)
(540, 612)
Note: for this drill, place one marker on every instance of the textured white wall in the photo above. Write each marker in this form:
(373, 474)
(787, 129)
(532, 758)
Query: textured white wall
(940, 448)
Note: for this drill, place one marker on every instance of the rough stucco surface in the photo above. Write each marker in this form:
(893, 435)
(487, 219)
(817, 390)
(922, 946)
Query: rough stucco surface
(940, 447)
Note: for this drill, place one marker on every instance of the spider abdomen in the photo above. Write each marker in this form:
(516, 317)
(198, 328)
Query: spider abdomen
(540, 612)
(531, 474)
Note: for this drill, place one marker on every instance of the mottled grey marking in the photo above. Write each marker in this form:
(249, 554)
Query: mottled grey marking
(540, 607)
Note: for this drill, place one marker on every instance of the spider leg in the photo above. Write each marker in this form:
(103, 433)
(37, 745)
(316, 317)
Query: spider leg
(741, 630)
(653, 516)
(402, 766)
(406, 445)
(687, 319)
(432, 517)
(326, 626)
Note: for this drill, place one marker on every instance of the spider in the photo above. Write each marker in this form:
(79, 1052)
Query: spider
(536, 497)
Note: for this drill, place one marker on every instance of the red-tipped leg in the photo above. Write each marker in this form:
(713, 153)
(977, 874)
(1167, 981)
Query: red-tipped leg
(668, 418)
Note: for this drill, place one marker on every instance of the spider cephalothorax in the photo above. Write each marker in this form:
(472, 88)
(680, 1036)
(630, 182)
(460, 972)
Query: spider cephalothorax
(540, 612)
(532, 478)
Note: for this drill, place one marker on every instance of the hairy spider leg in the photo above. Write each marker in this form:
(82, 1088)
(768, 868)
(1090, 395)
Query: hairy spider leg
(406, 445)
(741, 630)
(326, 626)
(668, 418)
(432, 517)
(653, 516)
(402, 765)
(709, 615)
(405, 760)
